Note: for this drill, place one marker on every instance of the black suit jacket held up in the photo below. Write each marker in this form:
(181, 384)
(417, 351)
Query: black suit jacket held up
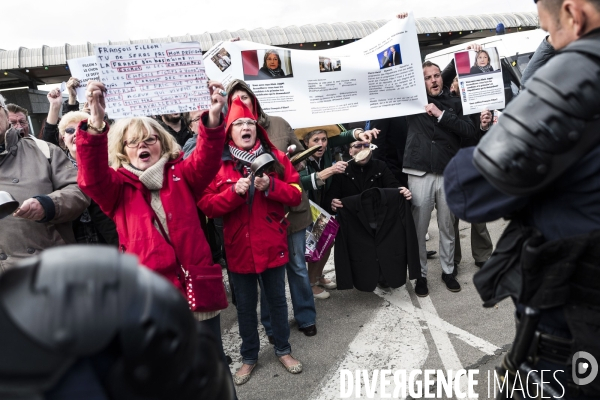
(360, 250)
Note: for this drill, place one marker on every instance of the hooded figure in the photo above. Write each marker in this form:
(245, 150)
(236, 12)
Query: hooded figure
(280, 133)
(223, 198)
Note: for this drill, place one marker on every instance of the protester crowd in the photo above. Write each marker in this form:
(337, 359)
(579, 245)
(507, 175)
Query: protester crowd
(180, 192)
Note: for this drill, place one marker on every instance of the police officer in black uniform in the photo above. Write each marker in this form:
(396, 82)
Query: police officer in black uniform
(540, 167)
(87, 322)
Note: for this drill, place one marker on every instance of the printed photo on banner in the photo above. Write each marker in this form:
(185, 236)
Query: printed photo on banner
(390, 57)
(484, 61)
(329, 64)
(267, 64)
(222, 59)
(480, 84)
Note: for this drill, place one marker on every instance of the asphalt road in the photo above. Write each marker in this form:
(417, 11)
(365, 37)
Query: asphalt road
(386, 330)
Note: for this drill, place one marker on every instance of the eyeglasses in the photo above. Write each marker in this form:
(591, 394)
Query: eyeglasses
(249, 122)
(363, 145)
(70, 131)
(195, 120)
(148, 142)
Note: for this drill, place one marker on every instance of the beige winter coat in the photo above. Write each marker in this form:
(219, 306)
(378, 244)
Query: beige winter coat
(25, 172)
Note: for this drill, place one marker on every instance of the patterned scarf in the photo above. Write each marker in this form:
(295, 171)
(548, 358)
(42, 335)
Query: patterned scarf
(243, 161)
(153, 178)
(486, 68)
(276, 72)
(245, 158)
(70, 157)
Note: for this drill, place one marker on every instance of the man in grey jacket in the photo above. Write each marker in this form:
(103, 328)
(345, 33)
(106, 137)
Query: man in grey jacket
(44, 182)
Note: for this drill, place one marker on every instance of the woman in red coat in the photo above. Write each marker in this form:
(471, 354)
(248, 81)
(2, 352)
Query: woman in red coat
(151, 193)
(255, 231)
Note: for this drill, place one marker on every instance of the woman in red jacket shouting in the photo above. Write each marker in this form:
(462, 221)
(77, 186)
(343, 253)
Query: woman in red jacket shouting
(151, 193)
(255, 231)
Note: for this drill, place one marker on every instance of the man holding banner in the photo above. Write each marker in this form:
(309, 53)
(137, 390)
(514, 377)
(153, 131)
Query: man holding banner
(434, 137)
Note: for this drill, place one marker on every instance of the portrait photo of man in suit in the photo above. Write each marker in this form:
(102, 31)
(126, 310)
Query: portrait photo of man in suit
(394, 55)
(390, 57)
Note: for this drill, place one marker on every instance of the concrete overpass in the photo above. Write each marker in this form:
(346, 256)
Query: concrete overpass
(46, 65)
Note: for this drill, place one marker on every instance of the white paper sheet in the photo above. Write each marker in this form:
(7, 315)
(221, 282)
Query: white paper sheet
(153, 79)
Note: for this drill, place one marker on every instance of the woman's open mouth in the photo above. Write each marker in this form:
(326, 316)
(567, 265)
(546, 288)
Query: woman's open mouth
(144, 155)
(246, 136)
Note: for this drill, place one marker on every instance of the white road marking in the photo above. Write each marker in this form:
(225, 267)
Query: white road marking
(442, 341)
(392, 339)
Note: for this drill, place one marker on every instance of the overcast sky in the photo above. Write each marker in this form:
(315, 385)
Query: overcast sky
(33, 23)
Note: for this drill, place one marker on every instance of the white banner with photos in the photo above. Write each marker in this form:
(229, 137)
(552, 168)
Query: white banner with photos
(379, 76)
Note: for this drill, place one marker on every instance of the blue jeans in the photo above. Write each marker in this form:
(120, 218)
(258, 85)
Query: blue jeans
(303, 301)
(246, 293)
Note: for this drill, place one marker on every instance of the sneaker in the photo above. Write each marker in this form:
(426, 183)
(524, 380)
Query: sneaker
(421, 287)
(451, 283)
(431, 253)
(455, 271)
(427, 237)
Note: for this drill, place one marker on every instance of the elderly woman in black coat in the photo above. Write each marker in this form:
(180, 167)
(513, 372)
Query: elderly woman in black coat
(360, 175)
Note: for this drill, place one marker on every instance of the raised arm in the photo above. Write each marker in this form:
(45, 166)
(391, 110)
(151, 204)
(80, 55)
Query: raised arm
(204, 162)
(71, 104)
(95, 177)
(50, 133)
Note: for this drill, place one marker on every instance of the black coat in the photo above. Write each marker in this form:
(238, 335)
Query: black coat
(357, 179)
(362, 251)
(475, 70)
(182, 136)
(431, 144)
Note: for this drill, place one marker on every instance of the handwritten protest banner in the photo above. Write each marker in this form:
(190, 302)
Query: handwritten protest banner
(153, 79)
(85, 69)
